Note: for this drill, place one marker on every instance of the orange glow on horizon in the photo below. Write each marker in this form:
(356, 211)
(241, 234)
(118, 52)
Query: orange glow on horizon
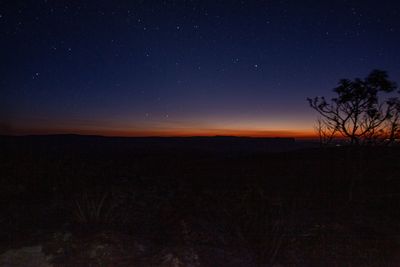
(172, 132)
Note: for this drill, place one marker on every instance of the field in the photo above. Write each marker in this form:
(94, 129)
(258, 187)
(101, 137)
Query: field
(201, 201)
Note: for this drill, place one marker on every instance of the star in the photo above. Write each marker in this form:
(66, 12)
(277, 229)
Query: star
(35, 76)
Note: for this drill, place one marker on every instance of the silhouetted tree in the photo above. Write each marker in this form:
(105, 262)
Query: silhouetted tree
(356, 113)
(326, 132)
(393, 123)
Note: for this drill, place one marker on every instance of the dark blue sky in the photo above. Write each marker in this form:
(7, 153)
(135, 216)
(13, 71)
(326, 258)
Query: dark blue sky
(184, 67)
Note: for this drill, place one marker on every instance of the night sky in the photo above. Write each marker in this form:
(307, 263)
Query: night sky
(171, 68)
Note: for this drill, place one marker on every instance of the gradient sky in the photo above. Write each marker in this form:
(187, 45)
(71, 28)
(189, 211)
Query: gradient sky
(184, 67)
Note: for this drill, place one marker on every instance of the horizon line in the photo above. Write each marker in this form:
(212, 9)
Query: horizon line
(160, 136)
(300, 134)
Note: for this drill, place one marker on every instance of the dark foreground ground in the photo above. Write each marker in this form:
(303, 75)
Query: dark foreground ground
(93, 201)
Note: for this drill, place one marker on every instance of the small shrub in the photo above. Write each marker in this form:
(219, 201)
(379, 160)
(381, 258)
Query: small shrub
(100, 207)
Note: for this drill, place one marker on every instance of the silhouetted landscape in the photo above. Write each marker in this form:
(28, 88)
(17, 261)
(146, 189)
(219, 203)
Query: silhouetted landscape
(186, 133)
(201, 201)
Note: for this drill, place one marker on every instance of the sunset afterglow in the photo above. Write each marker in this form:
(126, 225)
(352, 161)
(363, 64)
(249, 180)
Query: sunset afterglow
(196, 68)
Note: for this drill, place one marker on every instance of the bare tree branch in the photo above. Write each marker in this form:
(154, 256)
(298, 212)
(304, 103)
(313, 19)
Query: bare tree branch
(356, 113)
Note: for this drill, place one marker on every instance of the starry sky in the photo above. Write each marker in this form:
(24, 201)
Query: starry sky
(178, 68)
